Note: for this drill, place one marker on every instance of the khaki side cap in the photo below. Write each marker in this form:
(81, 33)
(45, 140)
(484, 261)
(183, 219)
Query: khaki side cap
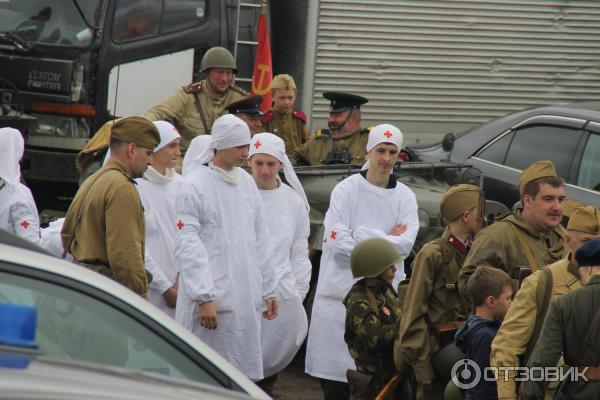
(137, 130)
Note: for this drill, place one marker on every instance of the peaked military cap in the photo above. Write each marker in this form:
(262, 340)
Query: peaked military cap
(249, 105)
(538, 169)
(340, 102)
(589, 254)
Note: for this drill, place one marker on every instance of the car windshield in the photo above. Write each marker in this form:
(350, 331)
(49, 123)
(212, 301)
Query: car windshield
(52, 22)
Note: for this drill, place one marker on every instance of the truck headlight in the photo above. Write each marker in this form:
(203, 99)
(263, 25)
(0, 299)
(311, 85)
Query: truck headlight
(61, 126)
(424, 222)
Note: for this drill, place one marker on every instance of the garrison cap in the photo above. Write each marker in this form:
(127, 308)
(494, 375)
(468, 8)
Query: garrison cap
(283, 81)
(137, 130)
(585, 219)
(569, 206)
(588, 254)
(457, 200)
(249, 105)
(340, 102)
(539, 169)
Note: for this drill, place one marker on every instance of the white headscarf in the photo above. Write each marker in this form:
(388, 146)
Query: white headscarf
(12, 147)
(268, 143)
(228, 131)
(167, 133)
(384, 133)
(197, 146)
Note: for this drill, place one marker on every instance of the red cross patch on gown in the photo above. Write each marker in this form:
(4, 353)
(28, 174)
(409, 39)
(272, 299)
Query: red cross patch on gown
(180, 224)
(25, 224)
(333, 235)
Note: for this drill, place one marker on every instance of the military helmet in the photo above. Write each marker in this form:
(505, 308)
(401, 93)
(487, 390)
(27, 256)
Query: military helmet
(218, 57)
(452, 392)
(372, 256)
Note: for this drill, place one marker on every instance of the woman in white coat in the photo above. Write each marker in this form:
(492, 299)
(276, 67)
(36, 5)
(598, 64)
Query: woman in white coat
(158, 190)
(18, 212)
(287, 219)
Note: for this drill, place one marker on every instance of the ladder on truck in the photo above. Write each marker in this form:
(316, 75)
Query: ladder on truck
(247, 12)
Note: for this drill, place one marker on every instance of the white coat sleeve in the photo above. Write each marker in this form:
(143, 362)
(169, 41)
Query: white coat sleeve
(299, 252)
(159, 280)
(264, 252)
(407, 216)
(195, 274)
(25, 222)
(338, 235)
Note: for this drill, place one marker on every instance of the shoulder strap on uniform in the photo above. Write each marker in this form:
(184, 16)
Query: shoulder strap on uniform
(372, 300)
(267, 117)
(201, 114)
(299, 115)
(524, 247)
(543, 296)
(193, 88)
(238, 89)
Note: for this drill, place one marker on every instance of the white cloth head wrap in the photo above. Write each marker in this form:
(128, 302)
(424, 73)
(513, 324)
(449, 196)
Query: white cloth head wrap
(167, 133)
(228, 131)
(12, 147)
(384, 133)
(197, 146)
(268, 143)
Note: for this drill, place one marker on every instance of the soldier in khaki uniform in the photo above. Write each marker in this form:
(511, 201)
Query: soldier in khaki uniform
(248, 110)
(528, 239)
(432, 297)
(104, 226)
(194, 108)
(283, 120)
(344, 142)
(521, 326)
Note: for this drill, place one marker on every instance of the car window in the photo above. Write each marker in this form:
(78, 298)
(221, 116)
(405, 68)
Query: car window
(73, 325)
(496, 152)
(543, 142)
(589, 170)
(136, 19)
(181, 14)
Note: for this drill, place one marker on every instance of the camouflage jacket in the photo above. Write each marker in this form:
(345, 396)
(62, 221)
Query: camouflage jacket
(370, 335)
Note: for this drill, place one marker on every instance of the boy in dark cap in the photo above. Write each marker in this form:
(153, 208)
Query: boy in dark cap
(571, 329)
(248, 110)
(344, 142)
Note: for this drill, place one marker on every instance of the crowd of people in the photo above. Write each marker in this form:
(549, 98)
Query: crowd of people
(223, 248)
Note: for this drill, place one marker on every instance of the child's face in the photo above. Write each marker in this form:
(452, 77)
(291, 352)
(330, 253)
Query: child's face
(501, 304)
(388, 274)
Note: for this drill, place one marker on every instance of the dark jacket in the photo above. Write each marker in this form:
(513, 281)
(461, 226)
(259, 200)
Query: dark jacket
(474, 339)
(571, 328)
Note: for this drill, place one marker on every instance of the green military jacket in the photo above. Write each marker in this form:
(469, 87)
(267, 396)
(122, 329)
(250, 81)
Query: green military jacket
(290, 127)
(315, 151)
(370, 335)
(570, 329)
(432, 298)
(180, 109)
(111, 231)
(498, 246)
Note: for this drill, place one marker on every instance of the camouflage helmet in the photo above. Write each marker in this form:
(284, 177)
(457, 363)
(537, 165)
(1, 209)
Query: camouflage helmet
(218, 57)
(452, 392)
(372, 256)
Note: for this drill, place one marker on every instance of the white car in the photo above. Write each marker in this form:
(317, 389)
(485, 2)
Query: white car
(84, 316)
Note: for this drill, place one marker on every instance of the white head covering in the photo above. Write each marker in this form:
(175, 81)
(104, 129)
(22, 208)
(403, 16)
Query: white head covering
(197, 146)
(12, 147)
(267, 143)
(384, 133)
(228, 131)
(167, 133)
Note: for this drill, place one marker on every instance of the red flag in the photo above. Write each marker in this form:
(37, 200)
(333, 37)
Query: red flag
(262, 74)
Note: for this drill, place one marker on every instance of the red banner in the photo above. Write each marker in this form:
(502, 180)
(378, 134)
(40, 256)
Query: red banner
(263, 67)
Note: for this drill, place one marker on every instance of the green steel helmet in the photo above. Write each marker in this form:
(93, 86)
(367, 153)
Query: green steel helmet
(217, 57)
(372, 256)
(452, 392)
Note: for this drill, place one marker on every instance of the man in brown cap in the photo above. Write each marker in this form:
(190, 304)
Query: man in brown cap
(521, 327)
(526, 240)
(104, 226)
(248, 110)
(344, 142)
(283, 120)
(432, 297)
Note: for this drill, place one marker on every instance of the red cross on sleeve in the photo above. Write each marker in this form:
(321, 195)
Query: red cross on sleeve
(333, 234)
(180, 224)
(25, 224)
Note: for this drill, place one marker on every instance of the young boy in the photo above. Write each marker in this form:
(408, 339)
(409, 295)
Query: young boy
(490, 290)
(371, 314)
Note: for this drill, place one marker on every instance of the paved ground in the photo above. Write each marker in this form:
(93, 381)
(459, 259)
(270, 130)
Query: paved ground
(294, 384)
